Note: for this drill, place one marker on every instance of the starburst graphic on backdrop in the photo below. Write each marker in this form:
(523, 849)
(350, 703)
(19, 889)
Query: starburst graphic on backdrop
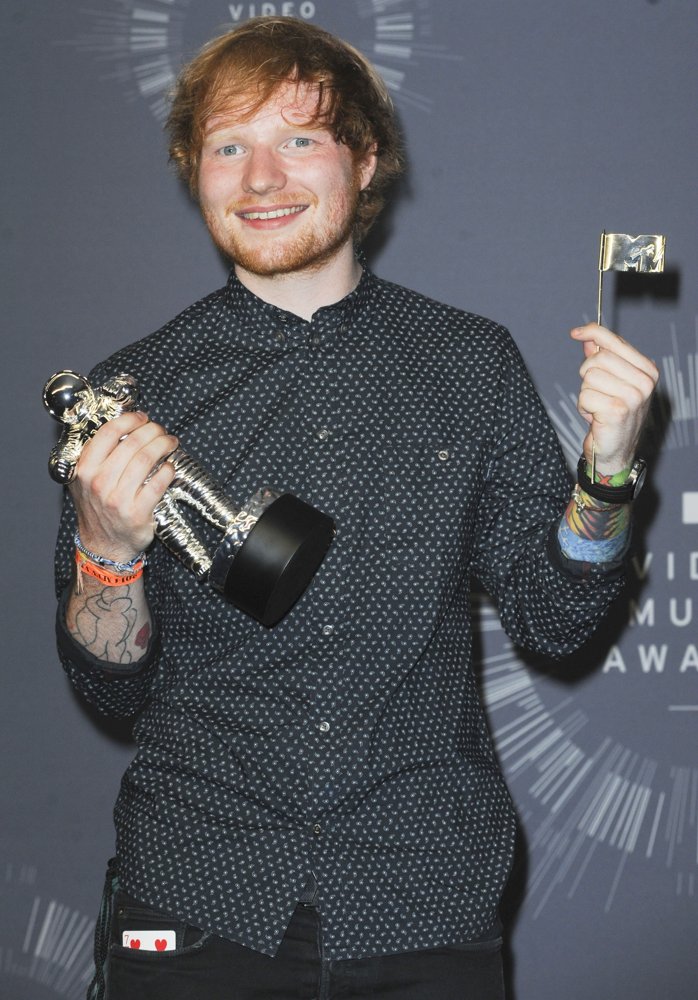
(143, 41)
(52, 943)
(577, 799)
(579, 792)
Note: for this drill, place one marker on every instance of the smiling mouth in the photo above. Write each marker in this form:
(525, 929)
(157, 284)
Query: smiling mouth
(274, 213)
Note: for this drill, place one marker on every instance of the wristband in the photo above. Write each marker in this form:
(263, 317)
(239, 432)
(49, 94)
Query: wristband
(109, 579)
(613, 494)
(119, 567)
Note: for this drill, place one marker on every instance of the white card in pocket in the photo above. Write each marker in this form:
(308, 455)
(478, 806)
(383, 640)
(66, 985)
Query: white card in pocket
(149, 940)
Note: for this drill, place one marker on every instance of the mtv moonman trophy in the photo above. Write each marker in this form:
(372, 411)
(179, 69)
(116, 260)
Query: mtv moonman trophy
(621, 252)
(271, 547)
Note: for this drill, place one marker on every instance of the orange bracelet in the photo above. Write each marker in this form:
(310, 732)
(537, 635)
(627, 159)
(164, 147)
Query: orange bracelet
(98, 572)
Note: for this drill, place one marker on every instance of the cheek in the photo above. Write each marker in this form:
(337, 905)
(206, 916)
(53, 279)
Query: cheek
(214, 186)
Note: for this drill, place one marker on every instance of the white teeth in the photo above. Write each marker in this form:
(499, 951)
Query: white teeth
(276, 214)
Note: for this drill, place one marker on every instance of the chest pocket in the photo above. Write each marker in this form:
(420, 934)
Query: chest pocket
(420, 492)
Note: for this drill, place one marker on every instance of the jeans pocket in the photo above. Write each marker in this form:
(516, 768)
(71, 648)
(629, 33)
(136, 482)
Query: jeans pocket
(146, 934)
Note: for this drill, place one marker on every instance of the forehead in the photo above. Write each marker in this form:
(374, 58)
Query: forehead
(291, 102)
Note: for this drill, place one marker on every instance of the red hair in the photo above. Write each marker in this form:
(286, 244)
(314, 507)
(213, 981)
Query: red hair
(243, 68)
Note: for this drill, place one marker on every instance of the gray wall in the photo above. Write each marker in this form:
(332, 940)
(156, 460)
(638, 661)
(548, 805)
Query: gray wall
(529, 127)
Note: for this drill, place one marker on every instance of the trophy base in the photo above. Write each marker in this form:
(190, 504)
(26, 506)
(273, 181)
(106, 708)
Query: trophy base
(277, 560)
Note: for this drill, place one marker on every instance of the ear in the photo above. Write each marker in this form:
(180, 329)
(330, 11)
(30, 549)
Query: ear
(366, 168)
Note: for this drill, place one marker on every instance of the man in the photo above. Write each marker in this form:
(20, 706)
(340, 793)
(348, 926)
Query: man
(316, 810)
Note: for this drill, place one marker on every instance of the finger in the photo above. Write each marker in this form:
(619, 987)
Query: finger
(632, 396)
(611, 366)
(107, 437)
(142, 461)
(155, 486)
(605, 409)
(590, 348)
(130, 445)
(151, 492)
(592, 336)
(103, 468)
(604, 358)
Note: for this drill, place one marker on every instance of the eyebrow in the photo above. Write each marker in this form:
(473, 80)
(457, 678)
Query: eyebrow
(228, 124)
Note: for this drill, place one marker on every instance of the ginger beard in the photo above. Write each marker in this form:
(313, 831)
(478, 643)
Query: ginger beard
(317, 234)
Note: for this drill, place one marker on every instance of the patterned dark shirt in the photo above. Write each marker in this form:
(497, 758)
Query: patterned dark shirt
(348, 741)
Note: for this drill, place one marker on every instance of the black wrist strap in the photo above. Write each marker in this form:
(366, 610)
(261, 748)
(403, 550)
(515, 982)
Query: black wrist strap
(612, 494)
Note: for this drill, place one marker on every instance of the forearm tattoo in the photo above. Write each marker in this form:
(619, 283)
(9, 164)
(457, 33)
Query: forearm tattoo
(109, 624)
(593, 531)
(598, 522)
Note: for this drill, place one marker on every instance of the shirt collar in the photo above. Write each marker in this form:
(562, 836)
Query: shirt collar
(249, 318)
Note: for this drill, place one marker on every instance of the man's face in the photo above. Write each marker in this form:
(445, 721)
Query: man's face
(278, 195)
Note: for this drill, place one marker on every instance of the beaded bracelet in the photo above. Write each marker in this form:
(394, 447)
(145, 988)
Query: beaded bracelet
(120, 567)
(85, 565)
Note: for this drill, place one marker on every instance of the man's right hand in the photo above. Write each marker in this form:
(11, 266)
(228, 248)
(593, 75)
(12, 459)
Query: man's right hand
(113, 496)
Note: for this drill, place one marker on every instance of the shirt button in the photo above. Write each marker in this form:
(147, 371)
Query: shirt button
(324, 727)
(317, 829)
(443, 455)
(315, 339)
(344, 328)
(322, 434)
(328, 629)
(279, 336)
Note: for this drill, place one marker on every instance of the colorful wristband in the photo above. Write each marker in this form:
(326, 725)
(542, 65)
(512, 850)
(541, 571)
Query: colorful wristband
(109, 579)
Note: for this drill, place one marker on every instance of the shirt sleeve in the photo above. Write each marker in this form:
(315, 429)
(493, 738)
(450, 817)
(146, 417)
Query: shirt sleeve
(547, 602)
(117, 690)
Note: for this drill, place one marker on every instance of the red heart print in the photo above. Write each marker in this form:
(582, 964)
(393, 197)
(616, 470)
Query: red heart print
(160, 944)
(134, 943)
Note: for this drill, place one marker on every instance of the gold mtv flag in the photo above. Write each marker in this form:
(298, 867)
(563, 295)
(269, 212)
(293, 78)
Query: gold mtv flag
(621, 252)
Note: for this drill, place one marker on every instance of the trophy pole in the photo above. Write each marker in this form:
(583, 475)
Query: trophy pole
(599, 297)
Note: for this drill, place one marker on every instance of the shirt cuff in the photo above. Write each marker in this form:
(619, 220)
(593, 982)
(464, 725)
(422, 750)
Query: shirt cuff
(86, 663)
(585, 570)
(591, 550)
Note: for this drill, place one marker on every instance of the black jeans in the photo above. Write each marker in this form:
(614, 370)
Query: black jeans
(206, 967)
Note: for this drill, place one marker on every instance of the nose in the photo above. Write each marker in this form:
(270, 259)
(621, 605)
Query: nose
(263, 172)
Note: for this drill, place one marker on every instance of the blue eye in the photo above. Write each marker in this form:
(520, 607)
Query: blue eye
(300, 142)
(231, 150)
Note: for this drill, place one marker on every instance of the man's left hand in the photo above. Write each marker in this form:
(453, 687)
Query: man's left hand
(617, 386)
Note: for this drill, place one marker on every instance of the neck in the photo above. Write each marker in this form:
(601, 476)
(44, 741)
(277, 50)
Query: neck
(304, 292)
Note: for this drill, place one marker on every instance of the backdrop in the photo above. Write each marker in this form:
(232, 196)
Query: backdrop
(529, 128)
